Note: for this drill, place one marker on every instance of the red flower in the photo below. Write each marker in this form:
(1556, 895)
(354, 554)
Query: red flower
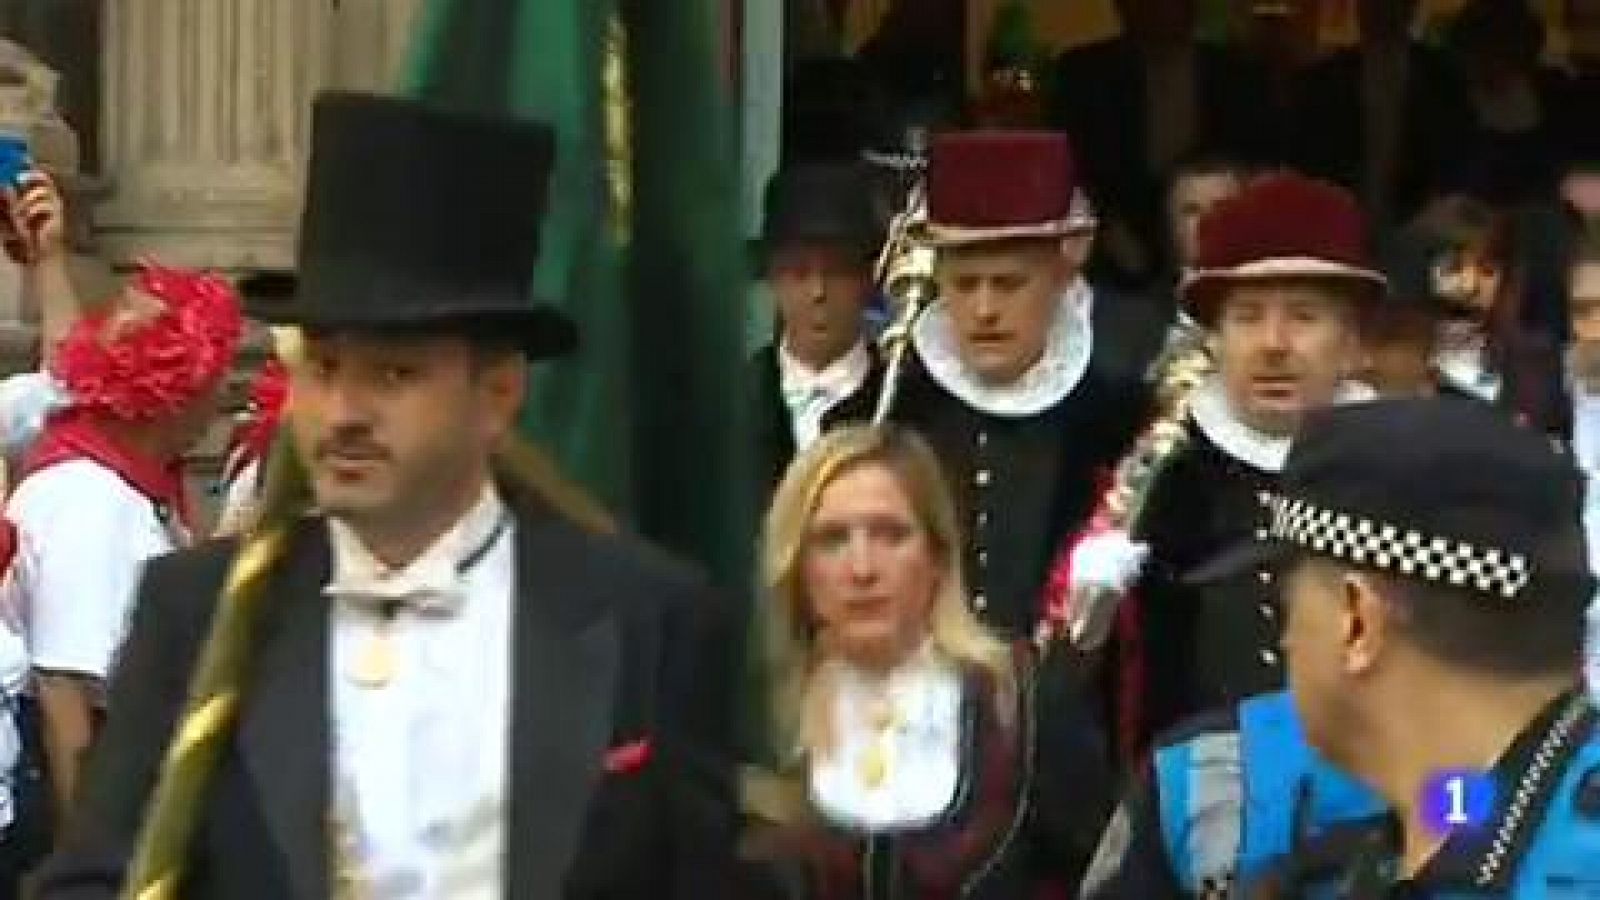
(154, 368)
(251, 438)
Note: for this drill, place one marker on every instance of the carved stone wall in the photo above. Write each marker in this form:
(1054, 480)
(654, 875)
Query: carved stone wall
(206, 118)
(371, 38)
(204, 124)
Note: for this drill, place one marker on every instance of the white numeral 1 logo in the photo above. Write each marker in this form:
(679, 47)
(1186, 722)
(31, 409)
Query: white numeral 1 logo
(1455, 787)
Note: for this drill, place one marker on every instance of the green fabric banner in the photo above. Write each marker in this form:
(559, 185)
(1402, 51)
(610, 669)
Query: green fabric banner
(648, 416)
(542, 59)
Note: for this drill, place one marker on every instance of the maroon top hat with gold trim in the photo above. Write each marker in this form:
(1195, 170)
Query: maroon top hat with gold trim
(1279, 226)
(1000, 185)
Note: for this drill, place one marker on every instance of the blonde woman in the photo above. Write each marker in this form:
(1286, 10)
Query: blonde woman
(923, 757)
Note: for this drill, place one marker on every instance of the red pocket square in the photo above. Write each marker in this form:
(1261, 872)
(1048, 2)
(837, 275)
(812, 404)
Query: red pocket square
(9, 541)
(625, 759)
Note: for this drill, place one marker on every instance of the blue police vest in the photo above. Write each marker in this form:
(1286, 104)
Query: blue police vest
(1563, 860)
(1233, 803)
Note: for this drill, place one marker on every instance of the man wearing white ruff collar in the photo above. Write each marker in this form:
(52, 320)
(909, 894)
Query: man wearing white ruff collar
(1010, 383)
(1282, 280)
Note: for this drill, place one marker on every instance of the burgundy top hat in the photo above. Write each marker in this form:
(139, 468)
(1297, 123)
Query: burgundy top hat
(998, 185)
(1279, 226)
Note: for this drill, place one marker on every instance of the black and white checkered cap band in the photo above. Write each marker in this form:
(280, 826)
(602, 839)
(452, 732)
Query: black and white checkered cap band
(1392, 548)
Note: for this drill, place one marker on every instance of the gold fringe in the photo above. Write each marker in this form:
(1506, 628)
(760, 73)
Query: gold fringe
(618, 128)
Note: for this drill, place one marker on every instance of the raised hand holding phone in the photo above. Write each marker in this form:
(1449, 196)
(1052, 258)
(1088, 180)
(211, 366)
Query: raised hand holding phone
(35, 218)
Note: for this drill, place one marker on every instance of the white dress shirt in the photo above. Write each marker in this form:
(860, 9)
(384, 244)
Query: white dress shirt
(809, 394)
(1463, 361)
(420, 762)
(920, 750)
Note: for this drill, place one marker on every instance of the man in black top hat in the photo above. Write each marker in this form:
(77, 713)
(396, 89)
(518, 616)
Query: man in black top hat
(456, 667)
(1402, 335)
(1435, 589)
(818, 242)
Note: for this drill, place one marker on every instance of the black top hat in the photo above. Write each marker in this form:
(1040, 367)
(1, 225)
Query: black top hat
(417, 218)
(1446, 490)
(1410, 260)
(820, 202)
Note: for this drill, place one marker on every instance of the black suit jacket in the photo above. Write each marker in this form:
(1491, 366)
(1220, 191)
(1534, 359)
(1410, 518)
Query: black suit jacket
(775, 443)
(607, 641)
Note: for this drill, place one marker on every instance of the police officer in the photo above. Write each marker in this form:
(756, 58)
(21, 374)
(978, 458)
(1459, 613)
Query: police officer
(1435, 587)
(1227, 797)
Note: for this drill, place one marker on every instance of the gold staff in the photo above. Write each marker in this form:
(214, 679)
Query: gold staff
(905, 270)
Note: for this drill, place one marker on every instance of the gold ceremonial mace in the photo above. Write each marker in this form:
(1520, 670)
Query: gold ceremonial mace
(905, 269)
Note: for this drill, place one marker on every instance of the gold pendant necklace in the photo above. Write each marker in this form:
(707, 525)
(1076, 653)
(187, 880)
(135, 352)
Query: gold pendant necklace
(374, 666)
(876, 761)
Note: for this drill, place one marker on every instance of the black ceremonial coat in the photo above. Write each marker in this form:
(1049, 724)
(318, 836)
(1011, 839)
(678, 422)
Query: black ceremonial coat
(1202, 647)
(774, 428)
(608, 649)
(1023, 483)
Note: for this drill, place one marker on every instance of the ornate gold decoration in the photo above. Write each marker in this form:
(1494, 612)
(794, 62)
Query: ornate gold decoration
(618, 128)
(876, 761)
(905, 270)
(375, 666)
(1182, 368)
(1185, 364)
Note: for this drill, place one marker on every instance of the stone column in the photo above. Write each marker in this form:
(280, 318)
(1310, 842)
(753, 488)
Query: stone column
(371, 41)
(205, 125)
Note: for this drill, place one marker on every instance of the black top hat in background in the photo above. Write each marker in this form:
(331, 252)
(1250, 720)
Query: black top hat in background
(1446, 490)
(1409, 259)
(822, 202)
(417, 218)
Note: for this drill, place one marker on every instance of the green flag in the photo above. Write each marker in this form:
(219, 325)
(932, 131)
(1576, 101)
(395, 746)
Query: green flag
(541, 59)
(689, 269)
(642, 246)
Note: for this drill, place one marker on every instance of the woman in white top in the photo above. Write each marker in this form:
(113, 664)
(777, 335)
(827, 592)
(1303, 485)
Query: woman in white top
(919, 754)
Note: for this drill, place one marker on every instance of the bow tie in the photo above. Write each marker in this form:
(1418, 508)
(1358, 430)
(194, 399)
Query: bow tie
(806, 397)
(429, 585)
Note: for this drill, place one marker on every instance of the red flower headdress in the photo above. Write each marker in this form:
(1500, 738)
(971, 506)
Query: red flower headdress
(153, 368)
(253, 434)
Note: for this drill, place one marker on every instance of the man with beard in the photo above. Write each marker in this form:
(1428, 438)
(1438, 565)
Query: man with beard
(1006, 381)
(1281, 279)
(459, 684)
(818, 241)
(1434, 588)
